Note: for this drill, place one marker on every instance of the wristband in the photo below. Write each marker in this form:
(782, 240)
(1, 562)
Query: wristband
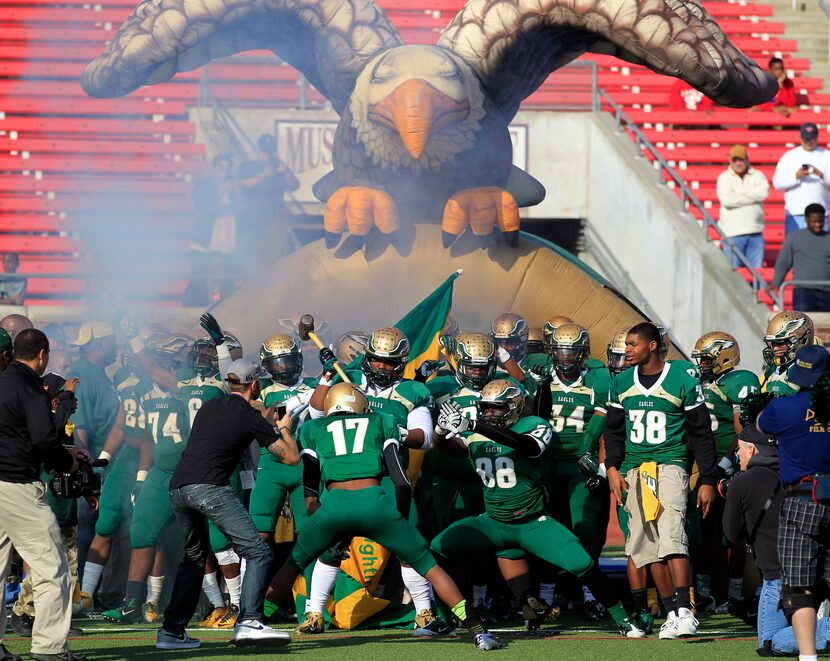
(141, 476)
(601, 471)
(105, 455)
(725, 463)
(325, 381)
(504, 355)
(136, 345)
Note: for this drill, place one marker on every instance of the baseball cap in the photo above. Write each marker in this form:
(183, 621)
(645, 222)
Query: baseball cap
(54, 384)
(738, 151)
(809, 131)
(764, 442)
(245, 370)
(93, 330)
(810, 363)
(5, 340)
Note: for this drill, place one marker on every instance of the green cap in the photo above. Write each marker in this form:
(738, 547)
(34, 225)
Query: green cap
(5, 340)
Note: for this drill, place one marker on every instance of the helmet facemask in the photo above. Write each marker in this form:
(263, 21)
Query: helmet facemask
(569, 361)
(382, 377)
(202, 358)
(497, 415)
(475, 375)
(284, 369)
(780, 351)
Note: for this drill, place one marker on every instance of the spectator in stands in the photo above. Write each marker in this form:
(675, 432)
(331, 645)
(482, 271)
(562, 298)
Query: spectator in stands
(807, 253)
(264, 183)
(741, 192)
(14, 323)
(12, 287)
(787, 98)
(683, 96)
(803, 173)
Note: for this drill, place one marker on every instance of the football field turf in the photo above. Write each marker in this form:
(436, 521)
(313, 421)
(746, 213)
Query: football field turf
(722, 638)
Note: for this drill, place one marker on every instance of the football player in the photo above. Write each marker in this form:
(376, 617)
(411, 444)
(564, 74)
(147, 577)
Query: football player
(717, 355)
(348, 450)
(787, 332)
(656, 415)
(665, 341)
(506, 450)
(409, 403)
(350, 346)
(615, 352)
(547, 334)
(573, 399)
(535, 346)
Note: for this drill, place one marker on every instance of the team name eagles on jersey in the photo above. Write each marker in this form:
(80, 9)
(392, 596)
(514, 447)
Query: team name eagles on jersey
(655, 417)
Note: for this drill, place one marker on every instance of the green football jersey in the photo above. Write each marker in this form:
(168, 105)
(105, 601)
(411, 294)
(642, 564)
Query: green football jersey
(168, 424)
(131, 389)
(512, 482)
(574, 404)
(723, 396)
(277, 393)
(655, 419)
(397, 401)
(195, 390)
(349, 447)
(531, 360)
(447, 388)
(690, 368)
(775, 381)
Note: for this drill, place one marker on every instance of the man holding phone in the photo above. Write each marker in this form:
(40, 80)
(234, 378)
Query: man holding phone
(803, 173)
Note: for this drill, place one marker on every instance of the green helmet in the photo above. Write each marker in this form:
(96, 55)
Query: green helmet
(388, 345)
(569, 349)
(282, 359)
(475, 359)
(510, 332)
(501, 403)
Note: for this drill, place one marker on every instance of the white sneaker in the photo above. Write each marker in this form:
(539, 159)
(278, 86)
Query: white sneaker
(686, 623)
(669, 629)
(254, 632)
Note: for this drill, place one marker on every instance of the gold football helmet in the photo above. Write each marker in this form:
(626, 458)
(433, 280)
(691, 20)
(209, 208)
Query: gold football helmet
(345, 398)
(390, 347)
(281, 357)
(551, 325)
(716, 352)
(663, 350)
(350, 345)
(535, 340)
(202, 356)
(475, 359)
(570, 347)
(616, 352)
(787, 332)
(172, 351)
(501, 403)
(510, 332)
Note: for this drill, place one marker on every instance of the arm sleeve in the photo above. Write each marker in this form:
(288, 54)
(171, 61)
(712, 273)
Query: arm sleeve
(784, 262)
(525, 444)
(614, 434)
(593, 431)
(733, 519)
(784, 176)
(223, 353)
(543, 401)
(64, 410)
(768, 421)
(311, 475)
(421, 418)
(403, 489)
(700, 440)
(46, 442)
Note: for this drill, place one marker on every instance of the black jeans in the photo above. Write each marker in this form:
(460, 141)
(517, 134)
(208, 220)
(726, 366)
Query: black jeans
(191, 504)
(811, 300)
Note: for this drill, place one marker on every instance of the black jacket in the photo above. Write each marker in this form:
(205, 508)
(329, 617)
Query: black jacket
(28, 438)
(752, 506)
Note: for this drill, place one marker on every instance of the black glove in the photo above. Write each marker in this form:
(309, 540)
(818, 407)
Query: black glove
(212, 327)
(340, 551)
(427, 369)
(327, 360)
(589, 468)
(136, 491)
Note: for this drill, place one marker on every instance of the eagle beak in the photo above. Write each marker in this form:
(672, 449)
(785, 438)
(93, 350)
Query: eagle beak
(416, 111)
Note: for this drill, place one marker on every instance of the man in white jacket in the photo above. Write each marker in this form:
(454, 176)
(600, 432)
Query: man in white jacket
(741, 192)
(803, 173)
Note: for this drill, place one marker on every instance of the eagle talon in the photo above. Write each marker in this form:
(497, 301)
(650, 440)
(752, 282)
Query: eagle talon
(358, 209)
(482, 209)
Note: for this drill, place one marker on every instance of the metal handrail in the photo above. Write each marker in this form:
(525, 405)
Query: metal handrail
(687, 197)
(778, 295)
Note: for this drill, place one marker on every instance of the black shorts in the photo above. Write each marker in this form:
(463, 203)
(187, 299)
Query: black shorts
(804, 542)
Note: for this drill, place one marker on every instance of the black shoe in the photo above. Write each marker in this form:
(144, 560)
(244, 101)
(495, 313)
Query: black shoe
(74, 631)
(66, 655)
(21, 624)
(5, 655)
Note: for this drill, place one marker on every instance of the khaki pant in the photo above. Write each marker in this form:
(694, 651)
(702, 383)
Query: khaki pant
(652, 541)
(25, 604)
(28, 524)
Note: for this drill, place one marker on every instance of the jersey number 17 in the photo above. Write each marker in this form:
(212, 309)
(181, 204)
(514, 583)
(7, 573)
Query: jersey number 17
(338, 430)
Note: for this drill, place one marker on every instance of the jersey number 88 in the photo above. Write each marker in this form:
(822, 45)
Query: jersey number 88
(504, 475)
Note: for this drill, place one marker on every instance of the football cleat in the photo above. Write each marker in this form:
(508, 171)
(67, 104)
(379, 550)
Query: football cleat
(594, 610)
(707, 605)
(254, 632)
(486, 641)
(213, 617)
(314, 623)
(644, 621)
(534, 612)
(129, 612)
(84, 606)
(228, 620)
(629, 629)
(438, 627)
(483, 613)
(669, 629)
(424, 617)
(686, 623)
(150, 612)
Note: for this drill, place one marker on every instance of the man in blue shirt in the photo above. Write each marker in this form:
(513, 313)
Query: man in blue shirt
(804, 524)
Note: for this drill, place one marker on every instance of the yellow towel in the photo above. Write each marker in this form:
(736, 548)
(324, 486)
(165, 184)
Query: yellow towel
(648, 481)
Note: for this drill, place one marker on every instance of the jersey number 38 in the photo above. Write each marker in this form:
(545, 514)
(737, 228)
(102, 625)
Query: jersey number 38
(648, 426)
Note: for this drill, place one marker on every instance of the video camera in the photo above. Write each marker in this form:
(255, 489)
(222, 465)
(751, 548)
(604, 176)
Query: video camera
(83, 482)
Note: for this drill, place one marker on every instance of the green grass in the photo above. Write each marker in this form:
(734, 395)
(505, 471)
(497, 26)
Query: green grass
(722, 638)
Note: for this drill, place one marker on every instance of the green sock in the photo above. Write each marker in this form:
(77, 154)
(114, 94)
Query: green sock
(269, 608)
(460, 610)
(618, 613)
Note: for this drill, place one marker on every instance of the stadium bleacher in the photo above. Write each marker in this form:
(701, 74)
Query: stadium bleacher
(64, 149)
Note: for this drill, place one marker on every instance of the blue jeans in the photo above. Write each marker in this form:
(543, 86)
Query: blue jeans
(793, 222)
(751, 245)
(772, 624)
(192, 505)
(811, 300)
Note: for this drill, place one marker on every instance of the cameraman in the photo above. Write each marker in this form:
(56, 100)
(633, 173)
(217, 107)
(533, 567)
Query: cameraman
(804, 524)
(28, 441)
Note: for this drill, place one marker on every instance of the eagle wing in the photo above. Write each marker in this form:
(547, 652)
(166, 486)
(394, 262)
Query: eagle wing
(515, 44)
(329, 41)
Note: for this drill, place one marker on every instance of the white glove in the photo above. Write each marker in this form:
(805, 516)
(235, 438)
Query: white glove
(453, 418)
(404, 432)
(504, 355)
